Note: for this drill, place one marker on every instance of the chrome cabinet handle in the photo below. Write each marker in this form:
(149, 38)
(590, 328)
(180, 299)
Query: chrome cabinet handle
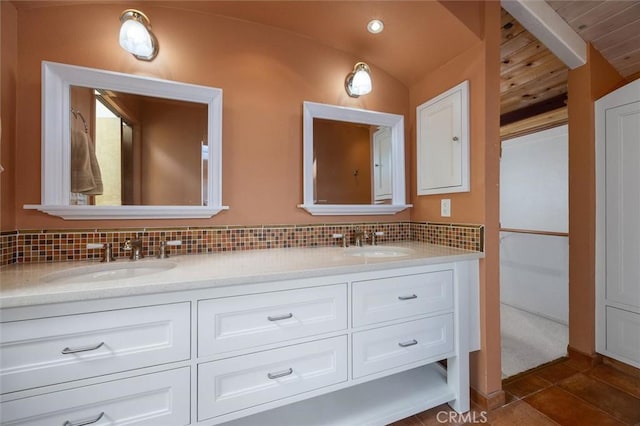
(67, 351)
(280, 317)
(84, 422)
(413, 296)
(407, 344)
(280, 374)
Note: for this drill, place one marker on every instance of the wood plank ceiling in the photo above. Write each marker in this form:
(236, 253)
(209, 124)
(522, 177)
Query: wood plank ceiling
(612, 27)
(533, 84)
(533, 81)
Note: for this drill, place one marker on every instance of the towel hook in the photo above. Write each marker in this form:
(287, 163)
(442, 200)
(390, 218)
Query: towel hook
(77, 114)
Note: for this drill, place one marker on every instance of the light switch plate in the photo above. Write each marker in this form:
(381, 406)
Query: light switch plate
(445, 207)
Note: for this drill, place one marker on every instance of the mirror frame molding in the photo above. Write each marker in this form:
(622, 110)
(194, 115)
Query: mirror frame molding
(56, 141)
(313, 110)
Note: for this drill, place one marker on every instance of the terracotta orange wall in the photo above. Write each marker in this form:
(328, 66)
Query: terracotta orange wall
(265, 74)
(479, 65)
(586, 84)
(8, 75)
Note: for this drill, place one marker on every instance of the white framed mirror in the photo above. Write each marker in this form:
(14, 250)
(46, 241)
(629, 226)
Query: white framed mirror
(151, 170)
(353, 161)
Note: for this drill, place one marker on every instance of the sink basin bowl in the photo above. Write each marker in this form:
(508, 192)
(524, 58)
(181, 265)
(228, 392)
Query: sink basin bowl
(109, 271)
(379, 251)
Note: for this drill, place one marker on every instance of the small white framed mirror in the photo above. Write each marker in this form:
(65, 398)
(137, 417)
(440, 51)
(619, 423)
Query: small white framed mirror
(353, 161)
(121, 146)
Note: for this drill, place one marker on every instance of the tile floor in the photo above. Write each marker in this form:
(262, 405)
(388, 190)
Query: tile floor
(567, 392)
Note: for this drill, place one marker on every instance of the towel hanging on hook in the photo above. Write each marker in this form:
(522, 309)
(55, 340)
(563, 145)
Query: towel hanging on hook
(77, 114)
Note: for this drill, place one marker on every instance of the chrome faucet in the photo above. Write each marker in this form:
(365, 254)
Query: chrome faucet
(107, 251)
(359, 236)
(135, 247)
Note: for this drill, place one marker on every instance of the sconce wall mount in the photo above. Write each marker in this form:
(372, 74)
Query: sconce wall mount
(358, 82)
(136, 36)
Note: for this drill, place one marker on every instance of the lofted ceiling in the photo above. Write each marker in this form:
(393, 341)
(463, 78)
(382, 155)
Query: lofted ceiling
(419, 36)
(410, 46)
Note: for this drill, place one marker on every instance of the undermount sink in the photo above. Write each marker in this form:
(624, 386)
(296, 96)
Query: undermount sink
(109, 271)
(378, 251)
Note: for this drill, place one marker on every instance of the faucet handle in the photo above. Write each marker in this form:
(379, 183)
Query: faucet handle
(344, 239)
(107, 251)
(163, 251)
(374, 237)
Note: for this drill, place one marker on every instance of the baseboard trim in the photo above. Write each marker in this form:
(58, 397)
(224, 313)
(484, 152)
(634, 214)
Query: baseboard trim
(488, 402)
(621, 366)
(590, 359)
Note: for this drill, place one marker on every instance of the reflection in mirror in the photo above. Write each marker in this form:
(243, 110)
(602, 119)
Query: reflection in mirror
(122, 146)
(353, 161)
(129, 149)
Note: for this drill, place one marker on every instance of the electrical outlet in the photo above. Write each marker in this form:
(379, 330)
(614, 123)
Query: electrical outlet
(445, 207)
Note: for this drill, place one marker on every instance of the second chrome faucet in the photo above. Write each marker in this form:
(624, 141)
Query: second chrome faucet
(359, 237)
(135, 247)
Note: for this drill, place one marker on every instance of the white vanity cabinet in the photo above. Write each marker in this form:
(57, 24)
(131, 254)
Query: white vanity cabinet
(358, 347)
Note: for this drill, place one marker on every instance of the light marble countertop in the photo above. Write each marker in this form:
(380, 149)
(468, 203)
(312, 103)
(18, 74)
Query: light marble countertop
(27, 284)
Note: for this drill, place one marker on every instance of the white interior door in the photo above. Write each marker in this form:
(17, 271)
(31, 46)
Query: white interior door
(618, 224)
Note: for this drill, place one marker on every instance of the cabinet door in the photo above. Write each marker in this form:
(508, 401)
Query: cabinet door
(443, 142)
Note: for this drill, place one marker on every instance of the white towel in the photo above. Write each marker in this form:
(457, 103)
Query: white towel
(85, 170)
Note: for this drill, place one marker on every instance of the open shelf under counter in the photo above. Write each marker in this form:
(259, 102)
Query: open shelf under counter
(377, 402)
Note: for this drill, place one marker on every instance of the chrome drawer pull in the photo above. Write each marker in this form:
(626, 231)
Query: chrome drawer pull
(280, 374)
(67, 351)
(281, 317)
(407, 344)
(413, 296)
(84, 422)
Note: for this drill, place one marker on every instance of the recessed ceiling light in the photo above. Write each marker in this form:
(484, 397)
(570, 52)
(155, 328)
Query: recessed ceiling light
(375, 26)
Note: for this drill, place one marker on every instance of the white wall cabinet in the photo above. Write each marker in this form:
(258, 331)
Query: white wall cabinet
(443, 142)
(246, 353)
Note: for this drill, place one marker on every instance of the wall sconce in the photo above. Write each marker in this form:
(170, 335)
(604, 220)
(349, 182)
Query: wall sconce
(136, 36)
(358, 82)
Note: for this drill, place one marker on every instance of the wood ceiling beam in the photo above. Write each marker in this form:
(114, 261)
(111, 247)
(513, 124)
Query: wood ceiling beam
(542, 21)
(534, 110)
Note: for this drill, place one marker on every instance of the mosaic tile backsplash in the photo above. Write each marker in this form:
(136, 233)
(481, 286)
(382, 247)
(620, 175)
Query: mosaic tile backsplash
(66, 245)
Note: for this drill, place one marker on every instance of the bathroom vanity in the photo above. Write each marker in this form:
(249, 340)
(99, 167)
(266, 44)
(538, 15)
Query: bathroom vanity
(299, 336)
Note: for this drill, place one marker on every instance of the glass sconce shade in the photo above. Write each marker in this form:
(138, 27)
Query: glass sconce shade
(358, 82)
(136, 36)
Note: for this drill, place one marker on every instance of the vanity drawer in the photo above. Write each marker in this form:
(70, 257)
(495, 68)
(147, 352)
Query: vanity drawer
(396, 345)
(242, 322)
(236, 383)
(153, 399)
(45, 351)
(386, 299)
